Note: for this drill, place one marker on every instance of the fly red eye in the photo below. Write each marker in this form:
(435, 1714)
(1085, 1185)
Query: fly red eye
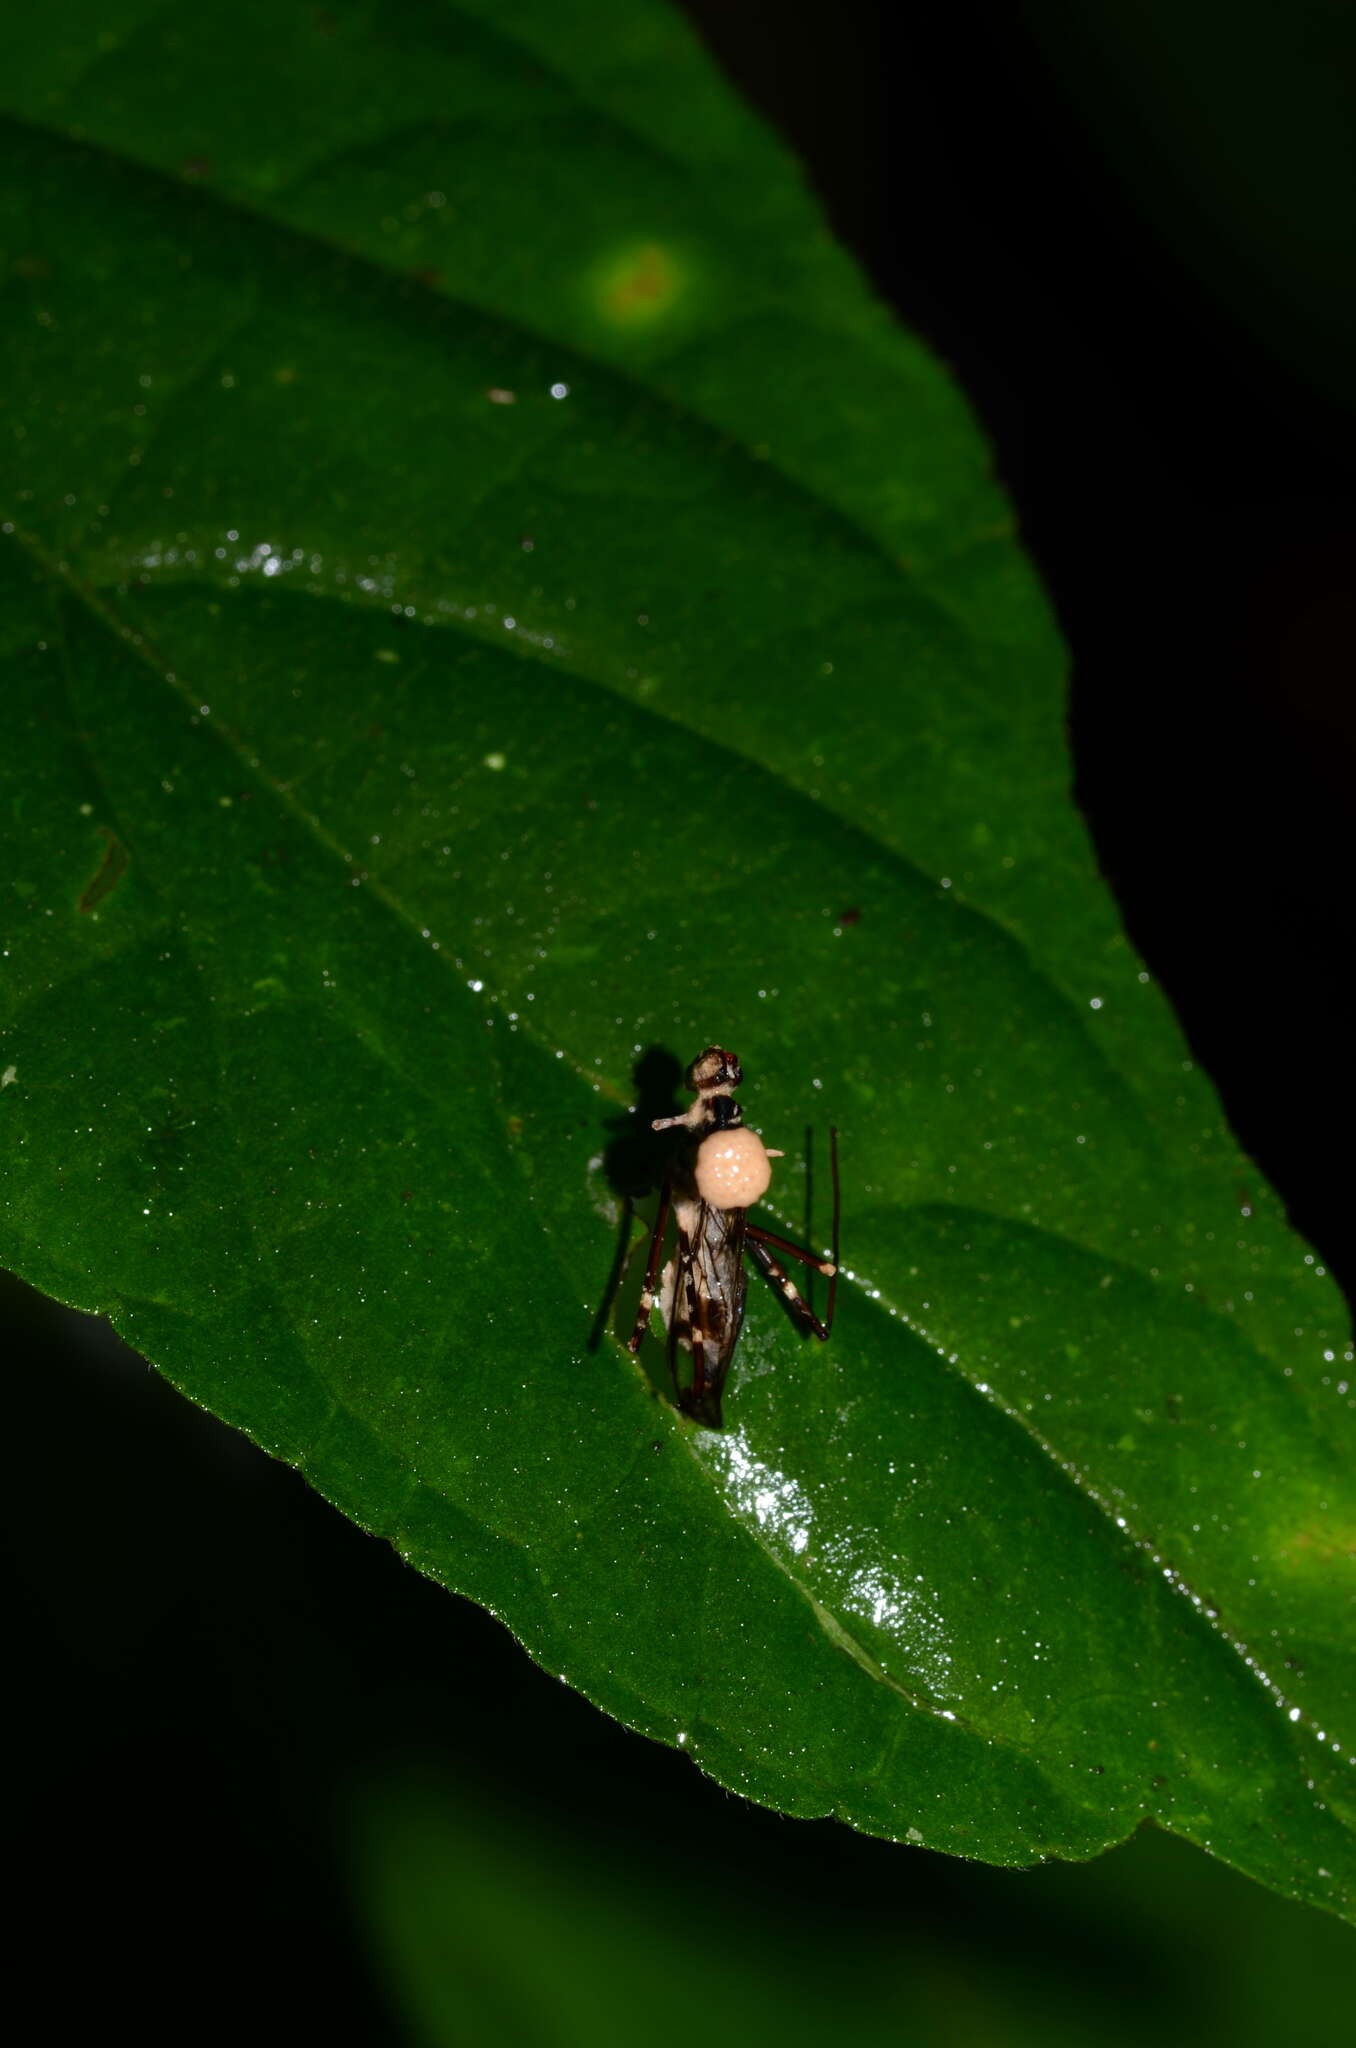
(714, 1068)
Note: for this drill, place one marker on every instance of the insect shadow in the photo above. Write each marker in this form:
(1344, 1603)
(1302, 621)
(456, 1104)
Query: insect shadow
(637, 1161)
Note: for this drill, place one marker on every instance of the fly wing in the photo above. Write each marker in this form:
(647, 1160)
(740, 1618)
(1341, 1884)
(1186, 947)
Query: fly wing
(677, 1290)
(705, 1282)
(705, 1303)
(718, 1268)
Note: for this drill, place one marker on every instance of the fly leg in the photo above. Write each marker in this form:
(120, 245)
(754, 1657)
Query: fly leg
(795, 1301)
(645, 1306)
(790, 1293)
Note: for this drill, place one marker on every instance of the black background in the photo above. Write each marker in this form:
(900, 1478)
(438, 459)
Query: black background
(1184, 475)
(203, 1654)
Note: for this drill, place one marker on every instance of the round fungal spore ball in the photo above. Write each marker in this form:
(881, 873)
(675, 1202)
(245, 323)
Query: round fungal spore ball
(733, 1169)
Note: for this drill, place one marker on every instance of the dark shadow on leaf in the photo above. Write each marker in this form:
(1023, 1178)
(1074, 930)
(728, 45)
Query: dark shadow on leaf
(636, 1161)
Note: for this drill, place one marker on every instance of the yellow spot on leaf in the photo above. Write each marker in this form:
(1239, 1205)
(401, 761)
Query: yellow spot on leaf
(639, 285)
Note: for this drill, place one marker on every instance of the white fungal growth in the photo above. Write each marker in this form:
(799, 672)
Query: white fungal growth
(734, 1169)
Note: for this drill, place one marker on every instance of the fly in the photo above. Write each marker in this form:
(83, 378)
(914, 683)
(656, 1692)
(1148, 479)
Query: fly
(722, 1172)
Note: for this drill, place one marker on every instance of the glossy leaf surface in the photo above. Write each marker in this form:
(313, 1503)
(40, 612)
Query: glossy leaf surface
(487, 594)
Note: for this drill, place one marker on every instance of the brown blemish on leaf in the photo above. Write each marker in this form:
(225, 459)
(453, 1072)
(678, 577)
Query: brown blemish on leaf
(642, 284)
(648, 281)
(108, 874)
(1322, 1545)
(638, 285)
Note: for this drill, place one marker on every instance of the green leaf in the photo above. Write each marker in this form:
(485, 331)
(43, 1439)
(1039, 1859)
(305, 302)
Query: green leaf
(488, 594)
